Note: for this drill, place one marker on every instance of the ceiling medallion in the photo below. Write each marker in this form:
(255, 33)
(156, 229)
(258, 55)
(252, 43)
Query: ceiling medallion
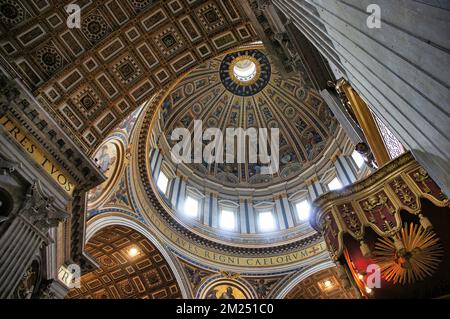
(245, 73)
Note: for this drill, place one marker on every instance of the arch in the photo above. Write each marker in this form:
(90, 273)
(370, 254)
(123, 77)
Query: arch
(302, 276)
(97, 224)
(318, 282)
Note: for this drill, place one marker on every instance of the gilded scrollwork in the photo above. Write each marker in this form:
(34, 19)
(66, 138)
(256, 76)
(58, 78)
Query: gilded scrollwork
(428, 187)
(377, 200)
(380, 212)
(351, 220)
(330, 230)
(421, 177)
(404, 193)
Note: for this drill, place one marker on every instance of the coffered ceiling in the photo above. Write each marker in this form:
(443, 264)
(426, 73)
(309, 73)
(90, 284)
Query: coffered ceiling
(130, 267)
(125, 51)
(322, 285)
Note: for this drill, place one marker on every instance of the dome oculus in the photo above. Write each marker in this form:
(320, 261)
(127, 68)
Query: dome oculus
(245, 73)
(244, 70)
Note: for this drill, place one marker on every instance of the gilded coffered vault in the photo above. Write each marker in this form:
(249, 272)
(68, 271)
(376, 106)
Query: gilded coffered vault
(126, 51)
(324, 284)
(130, 266)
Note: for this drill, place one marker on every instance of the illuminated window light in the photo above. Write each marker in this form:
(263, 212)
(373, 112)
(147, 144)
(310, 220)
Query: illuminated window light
(303, 210)
(266, 221)
(245, 70)
(163, 183)
(335, 184)
(191, 207)
(358, 159)
(227, 220)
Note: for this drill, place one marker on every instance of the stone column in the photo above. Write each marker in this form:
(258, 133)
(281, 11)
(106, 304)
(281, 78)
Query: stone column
(207, 207)
(278, 212)
(181, 195)
(242, 215)
(315, 188)
(157, 169)
(154, 154)
(283, 211)
(349, 125)
(25, 236)
(215, 210)
(175, 192)
(290, 214)
(251, 216)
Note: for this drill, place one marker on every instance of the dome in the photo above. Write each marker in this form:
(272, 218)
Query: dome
(230, 198)
(244, 90)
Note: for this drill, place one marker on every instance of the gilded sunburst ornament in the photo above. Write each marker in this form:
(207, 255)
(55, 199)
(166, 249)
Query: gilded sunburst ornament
(419, 259)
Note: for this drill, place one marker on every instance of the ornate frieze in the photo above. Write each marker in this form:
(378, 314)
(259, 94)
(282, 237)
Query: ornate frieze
(425, 183)
(24, 116)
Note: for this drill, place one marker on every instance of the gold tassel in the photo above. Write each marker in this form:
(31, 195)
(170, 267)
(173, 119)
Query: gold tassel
(365, 250)
(425, 223)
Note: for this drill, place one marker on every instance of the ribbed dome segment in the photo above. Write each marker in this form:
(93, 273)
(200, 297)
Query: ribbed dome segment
(213, 94)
